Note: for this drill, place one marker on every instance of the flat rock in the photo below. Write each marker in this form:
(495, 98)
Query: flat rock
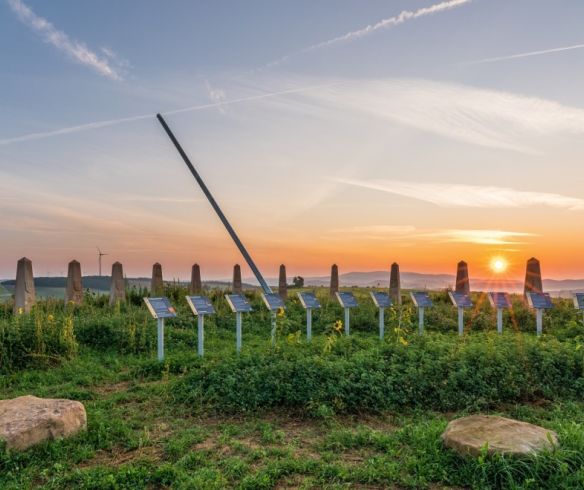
(469, 435)
(28, 420)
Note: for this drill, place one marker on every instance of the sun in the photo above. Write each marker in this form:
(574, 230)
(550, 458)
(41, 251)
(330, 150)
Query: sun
(498, 265)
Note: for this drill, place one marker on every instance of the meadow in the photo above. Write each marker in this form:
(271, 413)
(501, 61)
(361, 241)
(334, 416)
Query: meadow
(338, 412)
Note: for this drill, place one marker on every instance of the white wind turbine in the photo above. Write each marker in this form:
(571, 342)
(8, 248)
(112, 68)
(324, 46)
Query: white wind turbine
(100, 255)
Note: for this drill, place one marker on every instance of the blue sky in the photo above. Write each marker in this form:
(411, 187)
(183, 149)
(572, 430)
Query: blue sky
(392, 144)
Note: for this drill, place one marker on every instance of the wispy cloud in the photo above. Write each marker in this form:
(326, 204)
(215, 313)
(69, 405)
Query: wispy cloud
(396, 20)
(459, 195)
(524, 55)
(477, 116)
(76, 50)
(479, 237)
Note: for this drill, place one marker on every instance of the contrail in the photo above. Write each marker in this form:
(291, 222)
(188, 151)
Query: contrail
(76, 50)
(402, 17)
(113, 122)
(525, 55)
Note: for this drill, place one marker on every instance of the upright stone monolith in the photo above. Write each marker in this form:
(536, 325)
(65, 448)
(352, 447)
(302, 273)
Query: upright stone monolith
(196, 284)
(462, 282)
(24, 292)
(282, 284)
(237, 287)
(156, 284)
(74, 292)
(395, 285)
(334, 280)
(118, 284)
(533, 282)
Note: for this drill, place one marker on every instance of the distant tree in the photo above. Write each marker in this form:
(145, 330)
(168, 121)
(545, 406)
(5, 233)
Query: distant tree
(298, 282)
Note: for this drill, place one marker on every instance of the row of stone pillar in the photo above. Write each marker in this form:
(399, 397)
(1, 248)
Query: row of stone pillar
(25, 295)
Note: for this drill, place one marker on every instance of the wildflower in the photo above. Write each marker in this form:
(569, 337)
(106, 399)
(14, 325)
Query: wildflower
(403, 341)
(50, 318)
(338, 325)
(281, 312)
(20, 311)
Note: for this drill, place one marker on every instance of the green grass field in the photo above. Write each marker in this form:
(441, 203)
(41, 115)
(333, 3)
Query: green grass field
(338, 413)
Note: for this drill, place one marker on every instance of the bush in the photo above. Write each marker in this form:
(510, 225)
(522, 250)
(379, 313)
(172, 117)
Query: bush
(439, 372)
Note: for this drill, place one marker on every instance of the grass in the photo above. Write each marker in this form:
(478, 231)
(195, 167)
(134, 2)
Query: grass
(146, 429)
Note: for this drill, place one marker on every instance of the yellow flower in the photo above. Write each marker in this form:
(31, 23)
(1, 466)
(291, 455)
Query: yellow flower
(281, 312)
(403, 341)
(51, 318)
(338, 325)
(20, 311)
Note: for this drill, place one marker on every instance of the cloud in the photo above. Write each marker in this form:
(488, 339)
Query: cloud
(477, 116)
(402, 17)
(76, 50)
(460, 195)
(524, 55)
(480, 237)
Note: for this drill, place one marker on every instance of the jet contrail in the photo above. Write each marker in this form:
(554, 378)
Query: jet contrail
(113, 122)
(524, 55)
(402, 17)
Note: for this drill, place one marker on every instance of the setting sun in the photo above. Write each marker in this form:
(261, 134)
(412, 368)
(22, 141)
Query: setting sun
(498, 265)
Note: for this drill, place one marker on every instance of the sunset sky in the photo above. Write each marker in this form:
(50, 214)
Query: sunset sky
(359, 132)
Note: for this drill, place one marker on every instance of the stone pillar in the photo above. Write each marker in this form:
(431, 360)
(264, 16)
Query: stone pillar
(24, 292)
(462, 282)
(118, 284)
(156, 284)
(334, 280)
(196, 284)
(395, 285)
(74, 292)
(533, 282)
(282, 284)
(237, 288)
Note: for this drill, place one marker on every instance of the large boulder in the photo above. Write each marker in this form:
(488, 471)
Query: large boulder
(469, 435)
(28, 420)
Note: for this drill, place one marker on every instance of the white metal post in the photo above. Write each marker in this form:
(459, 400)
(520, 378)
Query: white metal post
(460, 321)
(238, 331)
(200, 334)
(381, 323)
(273, 328)
(309, 324)
(500, 320)
(161, 339)
(347, 329)
(420, 320)
(539, 321)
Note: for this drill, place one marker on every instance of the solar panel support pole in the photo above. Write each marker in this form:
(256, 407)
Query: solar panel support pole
(274, 327)
(238, 331)
(500, 320)
(539, 321)
(200, 334)
(381, 323)
(460, 321)
(216, 207)
(420, 321)
(309, 324)
(160, 339)
(347, 319)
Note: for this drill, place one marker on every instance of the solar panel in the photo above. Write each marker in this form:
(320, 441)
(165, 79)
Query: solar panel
(238, 303)
(500, 300)
(201, 305)
(309, 300)
(273, 301)
(381, 300)
(539, 301)
(460, 300)
(579, 300)
(347, 300)
(160, 307)
(421, 299)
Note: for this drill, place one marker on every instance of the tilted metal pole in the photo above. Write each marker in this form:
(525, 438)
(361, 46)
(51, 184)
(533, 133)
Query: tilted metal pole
(216, 207)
